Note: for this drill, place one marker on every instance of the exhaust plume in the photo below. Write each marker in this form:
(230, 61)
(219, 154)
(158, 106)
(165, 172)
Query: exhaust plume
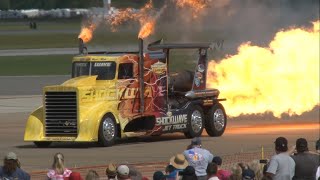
(86, 33)
(282, 78)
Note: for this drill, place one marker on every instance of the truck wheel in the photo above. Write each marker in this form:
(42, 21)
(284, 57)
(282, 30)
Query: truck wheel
(107, 131)
(42, 144)
(195, 122)
(216, 121)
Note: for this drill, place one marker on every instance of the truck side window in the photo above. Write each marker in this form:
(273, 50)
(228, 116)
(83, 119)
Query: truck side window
(125, 71)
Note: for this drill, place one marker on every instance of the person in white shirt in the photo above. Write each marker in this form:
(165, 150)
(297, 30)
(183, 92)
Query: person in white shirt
(281, 165)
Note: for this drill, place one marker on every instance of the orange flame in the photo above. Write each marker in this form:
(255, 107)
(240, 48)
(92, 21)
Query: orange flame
(87, 33)
(147, 29)
(283, 78)
(129, 14)
(196, 6)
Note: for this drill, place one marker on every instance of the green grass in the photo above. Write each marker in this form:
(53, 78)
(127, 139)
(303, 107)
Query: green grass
(35, 65)
(41, 40)
(61, 64)
(42, 24)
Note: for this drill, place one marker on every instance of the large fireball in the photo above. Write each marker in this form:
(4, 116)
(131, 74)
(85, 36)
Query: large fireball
(283, 78)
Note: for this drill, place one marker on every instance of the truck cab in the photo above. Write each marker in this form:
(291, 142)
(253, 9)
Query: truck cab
(123, 94)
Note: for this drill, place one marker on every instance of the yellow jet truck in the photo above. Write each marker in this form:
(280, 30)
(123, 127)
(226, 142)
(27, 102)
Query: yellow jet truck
(123, 94)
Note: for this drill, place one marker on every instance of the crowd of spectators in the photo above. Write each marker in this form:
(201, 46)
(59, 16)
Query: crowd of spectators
(195, 163)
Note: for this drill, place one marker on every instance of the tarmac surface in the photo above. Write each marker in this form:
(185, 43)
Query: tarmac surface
(28, 85)
(21, 95)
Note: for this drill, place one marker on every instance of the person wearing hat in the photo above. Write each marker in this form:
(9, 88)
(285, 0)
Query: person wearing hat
(248, 174)
(11, 169)
(123, 172)
(111, 172)
(198, 158)
(306, 162)
(281, 165)
(179, 163)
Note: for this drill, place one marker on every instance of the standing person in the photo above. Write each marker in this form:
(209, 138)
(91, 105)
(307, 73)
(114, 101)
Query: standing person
(92, 175)
(281, 165)
(318, 151)
(111, 172)
(236, 172)
(11, 169)
(198, 158)
(222, 174)
(318, 146)
(171, 173)
(158, 175)
(248, 174)
(179, 163)
(255, 166)
(188, 173)
(123, 172)
(58, 171)
(306, 162)
(134, 173)
(212, 171)
(75, 176)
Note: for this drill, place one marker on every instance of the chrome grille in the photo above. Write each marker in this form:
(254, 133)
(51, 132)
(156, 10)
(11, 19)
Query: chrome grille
(61, 113)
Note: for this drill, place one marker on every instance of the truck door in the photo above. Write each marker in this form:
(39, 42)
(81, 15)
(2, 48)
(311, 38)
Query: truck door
(155, 83)
(128, 89)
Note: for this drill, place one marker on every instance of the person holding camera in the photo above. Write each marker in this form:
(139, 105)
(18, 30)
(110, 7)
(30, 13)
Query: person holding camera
(306, 162)
(281, 165)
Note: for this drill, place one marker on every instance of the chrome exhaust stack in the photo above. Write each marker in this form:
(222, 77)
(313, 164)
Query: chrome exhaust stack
(82, 47)
(141, 75)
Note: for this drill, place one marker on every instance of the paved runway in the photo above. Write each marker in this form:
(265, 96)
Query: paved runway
(240, 136)
(27, 85)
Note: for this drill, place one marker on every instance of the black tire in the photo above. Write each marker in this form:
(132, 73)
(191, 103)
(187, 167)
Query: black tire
(42, 144)
(106, 137)
(216, 120)
(191, 130)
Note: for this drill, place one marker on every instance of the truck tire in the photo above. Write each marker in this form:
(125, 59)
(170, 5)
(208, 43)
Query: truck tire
(42, 144)
(195, 122)
(107, 131)
(216, 120)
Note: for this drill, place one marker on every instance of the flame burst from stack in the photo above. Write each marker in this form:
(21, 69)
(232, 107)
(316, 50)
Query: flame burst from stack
(147, 29)
(146, 16)
(87, 33)
(283, 78)
(196, 6)
(129, 14)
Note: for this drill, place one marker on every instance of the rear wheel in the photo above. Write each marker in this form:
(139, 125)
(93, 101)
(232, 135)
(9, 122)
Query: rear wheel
(195, 122)
(107, 130)
(216, 120)
(42, 144)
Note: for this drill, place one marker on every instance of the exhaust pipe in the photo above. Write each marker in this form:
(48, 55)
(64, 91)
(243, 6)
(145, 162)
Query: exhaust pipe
(141, 75)
(82, 47)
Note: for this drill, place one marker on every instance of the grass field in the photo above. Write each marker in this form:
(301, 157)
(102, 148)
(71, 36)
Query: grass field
(61, 64)
(42, 24)
(35, 65)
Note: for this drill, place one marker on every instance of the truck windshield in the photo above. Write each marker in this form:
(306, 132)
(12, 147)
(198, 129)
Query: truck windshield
(104, 70)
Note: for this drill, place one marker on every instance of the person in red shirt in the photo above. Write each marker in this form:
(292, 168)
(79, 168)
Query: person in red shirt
(222, 174)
